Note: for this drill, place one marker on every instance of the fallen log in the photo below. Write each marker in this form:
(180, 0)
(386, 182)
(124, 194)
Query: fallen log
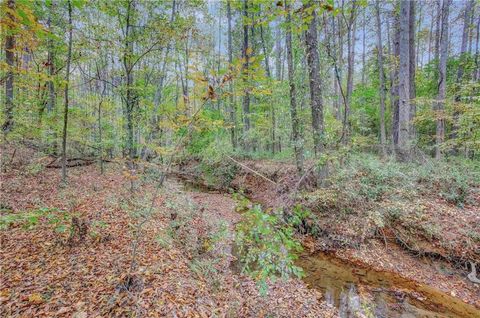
(71, 162)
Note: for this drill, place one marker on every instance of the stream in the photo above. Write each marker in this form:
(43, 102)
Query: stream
(355, 290)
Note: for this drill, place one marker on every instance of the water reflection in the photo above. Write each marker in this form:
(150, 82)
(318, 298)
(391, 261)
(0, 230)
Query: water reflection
(359, 292)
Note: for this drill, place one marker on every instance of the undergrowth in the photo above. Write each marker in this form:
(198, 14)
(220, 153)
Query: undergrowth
(266, 246)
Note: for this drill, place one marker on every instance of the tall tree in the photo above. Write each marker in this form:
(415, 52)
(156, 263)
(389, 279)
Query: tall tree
(296, 136)
(67, 86)
(442, 78)
(313, 60)
(403, 147)
(412, 65)
(383, 138)
(51, 102)
(364, 46)
(10, 60)
(351, 30)
(127, 61)
(246, 51)
(460, 71)
(230, 84)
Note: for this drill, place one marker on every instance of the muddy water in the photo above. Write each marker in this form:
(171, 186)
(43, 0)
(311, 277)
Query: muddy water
(372, 293)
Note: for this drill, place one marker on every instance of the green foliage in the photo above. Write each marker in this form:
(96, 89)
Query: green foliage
(266, 246)
(59, 219)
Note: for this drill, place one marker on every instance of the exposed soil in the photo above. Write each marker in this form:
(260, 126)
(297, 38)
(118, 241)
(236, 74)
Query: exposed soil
(45, 276)
(438, 261)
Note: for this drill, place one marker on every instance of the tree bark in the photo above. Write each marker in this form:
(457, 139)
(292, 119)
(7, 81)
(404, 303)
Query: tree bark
(313, 60)
(130, 94)
(460, 71)
(364, 30)
(383, 138)
(336, 101)
(67, 84)
(403, 147)
(412, 66)
(476, 74)
(297, 140)
(230, 84)
(351, 30)
(246, 97)
(395, 102)
(442, 78)
(9, 78)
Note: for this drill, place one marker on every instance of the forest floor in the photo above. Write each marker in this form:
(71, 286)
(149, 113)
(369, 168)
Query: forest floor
(430, 242)
(52, 266)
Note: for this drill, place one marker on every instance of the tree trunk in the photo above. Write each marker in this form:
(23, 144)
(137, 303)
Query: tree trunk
(383, 138)
(412, 66)
(351, 28)
(130, 94)
(395, 102)
(403, 147)
(364, 30)
(297, 140)
(67, 83)
(246, 97)
(419, 59)
(340, 63)
(279, 75)
(463, 49)
(442, 78)
(476, 74)
(269, 76)
(313, 60)
(230, 83)
(336, 101)
(9, 77)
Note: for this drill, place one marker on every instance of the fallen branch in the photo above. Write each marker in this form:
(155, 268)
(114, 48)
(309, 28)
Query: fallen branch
(251, 170)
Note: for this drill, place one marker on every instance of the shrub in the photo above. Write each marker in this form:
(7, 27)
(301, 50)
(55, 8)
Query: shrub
(266, 247)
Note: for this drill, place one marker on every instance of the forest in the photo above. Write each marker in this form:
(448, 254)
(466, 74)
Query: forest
(240, 158)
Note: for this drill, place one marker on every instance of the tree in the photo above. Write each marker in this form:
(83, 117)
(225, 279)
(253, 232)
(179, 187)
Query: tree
(230, 84)
(442, 78)
(313, 60)
(66, 101)
(412, 65)
(381, 75)
(296, 137)
(351, 30)
(246, 51)
(403, 147)
(10, 60)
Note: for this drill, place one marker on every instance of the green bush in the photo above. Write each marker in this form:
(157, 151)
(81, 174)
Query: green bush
(266, 246)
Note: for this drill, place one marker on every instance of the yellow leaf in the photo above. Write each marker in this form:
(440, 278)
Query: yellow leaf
(35, 298)
(249, 51)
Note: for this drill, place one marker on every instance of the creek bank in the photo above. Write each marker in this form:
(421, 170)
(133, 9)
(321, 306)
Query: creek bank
(354, 238)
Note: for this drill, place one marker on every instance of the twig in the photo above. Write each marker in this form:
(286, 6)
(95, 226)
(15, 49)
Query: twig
(251, 170)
